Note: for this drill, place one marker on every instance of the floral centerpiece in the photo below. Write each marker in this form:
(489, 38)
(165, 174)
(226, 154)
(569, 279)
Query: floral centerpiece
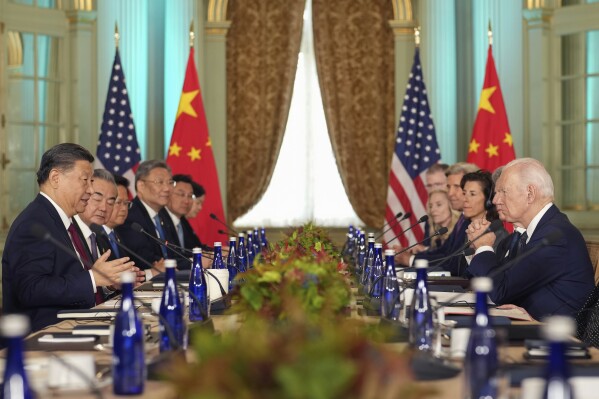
(296, 340)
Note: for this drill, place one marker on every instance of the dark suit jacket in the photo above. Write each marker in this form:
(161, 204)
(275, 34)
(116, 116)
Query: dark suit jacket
(170, 230)
(38, 278)
(453, 244)
(555, 280)
(144, 250)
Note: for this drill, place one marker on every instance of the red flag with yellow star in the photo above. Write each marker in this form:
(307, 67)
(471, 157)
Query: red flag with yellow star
(190, 153)
(491, 145)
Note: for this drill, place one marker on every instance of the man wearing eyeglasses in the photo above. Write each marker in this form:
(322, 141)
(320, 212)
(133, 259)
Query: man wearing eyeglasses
(99, 208)
(179, 204)
(153, 184)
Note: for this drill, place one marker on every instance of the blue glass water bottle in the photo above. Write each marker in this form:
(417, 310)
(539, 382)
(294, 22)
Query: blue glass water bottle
(361, 253)
(480, 362)
(376, 283)
(421, 314)
(242, 255)
(13, 328)
(390, 303)
(558, 330)
(250, 248)
(128, 356)
(218, 262)
(263, 239)
(366, 270)
(199, 302)
(171, 327)
(257, 245)
(232, 261)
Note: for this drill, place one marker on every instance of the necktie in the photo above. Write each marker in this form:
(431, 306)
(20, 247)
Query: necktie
(522, 243)
(180, 234)
(514, 245)
(93, 246)
(79, 247)
(87, 262)
(113, 244)
(160, 234)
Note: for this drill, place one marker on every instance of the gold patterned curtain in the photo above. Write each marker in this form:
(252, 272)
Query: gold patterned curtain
(354, 48)
(263, 43)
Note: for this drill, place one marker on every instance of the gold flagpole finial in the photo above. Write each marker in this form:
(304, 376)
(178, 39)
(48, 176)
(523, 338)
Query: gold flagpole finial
(192, 35)
(490, 34)
(117, 36)
(417, 36)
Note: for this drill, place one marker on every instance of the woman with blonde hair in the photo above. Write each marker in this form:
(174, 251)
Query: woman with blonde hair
(440, 215)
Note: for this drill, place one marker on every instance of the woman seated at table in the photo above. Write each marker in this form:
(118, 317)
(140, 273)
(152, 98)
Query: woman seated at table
(440, 215)
(477, 187)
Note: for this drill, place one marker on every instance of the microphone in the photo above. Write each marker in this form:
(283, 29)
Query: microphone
(393, 223)
(466, 252)
(423, 219)
(213, 216)
(175, 248)
(227, 233)
(100, 231)
(439, 232)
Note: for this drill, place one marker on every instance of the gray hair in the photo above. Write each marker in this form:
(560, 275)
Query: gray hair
(146, 167)
(103, 174)
(461, 168)
(533, 172)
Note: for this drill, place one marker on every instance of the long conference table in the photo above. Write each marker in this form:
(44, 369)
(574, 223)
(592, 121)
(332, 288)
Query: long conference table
(39, 355)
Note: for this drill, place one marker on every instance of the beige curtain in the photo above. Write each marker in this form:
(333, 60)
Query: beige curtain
(354, 57)
(262, 50)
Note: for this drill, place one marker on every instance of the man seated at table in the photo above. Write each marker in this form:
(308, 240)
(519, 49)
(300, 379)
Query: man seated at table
(41, 276)
(557, 278)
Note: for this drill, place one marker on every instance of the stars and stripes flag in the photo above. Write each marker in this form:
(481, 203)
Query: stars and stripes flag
(416, 149)
(118, 151)
(491, 145)
(190, 153)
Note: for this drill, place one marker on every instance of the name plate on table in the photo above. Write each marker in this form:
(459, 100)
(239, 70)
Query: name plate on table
(440, 273)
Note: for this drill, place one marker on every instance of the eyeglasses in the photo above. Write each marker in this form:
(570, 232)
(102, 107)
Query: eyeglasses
(167, 183)
(181, 194)
(126, 203)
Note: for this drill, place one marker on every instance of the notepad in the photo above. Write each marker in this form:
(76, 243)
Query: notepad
(62, 338)
(92, 329)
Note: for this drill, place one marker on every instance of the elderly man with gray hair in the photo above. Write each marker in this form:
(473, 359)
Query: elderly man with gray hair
(559, 276)
(153, 184)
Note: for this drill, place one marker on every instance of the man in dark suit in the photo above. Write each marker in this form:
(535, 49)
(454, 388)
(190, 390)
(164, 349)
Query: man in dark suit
(99, 208)
(180, 203)
(39, 278)
(557, 278)
(153, 184)
(118, 216)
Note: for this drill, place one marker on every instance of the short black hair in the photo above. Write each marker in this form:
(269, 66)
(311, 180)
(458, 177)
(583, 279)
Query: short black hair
(121, 180)
(63, 157)
(183, 179)
(198, 190)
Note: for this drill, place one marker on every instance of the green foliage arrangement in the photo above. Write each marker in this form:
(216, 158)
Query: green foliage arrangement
(295, 341)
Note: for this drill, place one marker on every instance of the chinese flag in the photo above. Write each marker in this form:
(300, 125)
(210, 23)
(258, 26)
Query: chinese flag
(491, 145)
(190, 153)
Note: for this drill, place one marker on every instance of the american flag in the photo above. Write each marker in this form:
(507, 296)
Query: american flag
(118, 151)
(416, 149)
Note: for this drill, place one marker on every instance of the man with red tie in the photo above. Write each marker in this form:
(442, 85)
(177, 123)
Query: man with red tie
(42, 275)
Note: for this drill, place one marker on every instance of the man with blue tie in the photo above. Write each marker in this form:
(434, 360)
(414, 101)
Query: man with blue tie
(555, 280)
(153, 184)
(118, 216)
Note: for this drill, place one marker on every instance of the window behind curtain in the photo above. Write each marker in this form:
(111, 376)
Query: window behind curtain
(305, 185)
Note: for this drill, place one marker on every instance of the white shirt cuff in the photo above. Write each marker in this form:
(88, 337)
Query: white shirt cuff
(148, 274)
(93, 281)
(411, 262)
(484, 248)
